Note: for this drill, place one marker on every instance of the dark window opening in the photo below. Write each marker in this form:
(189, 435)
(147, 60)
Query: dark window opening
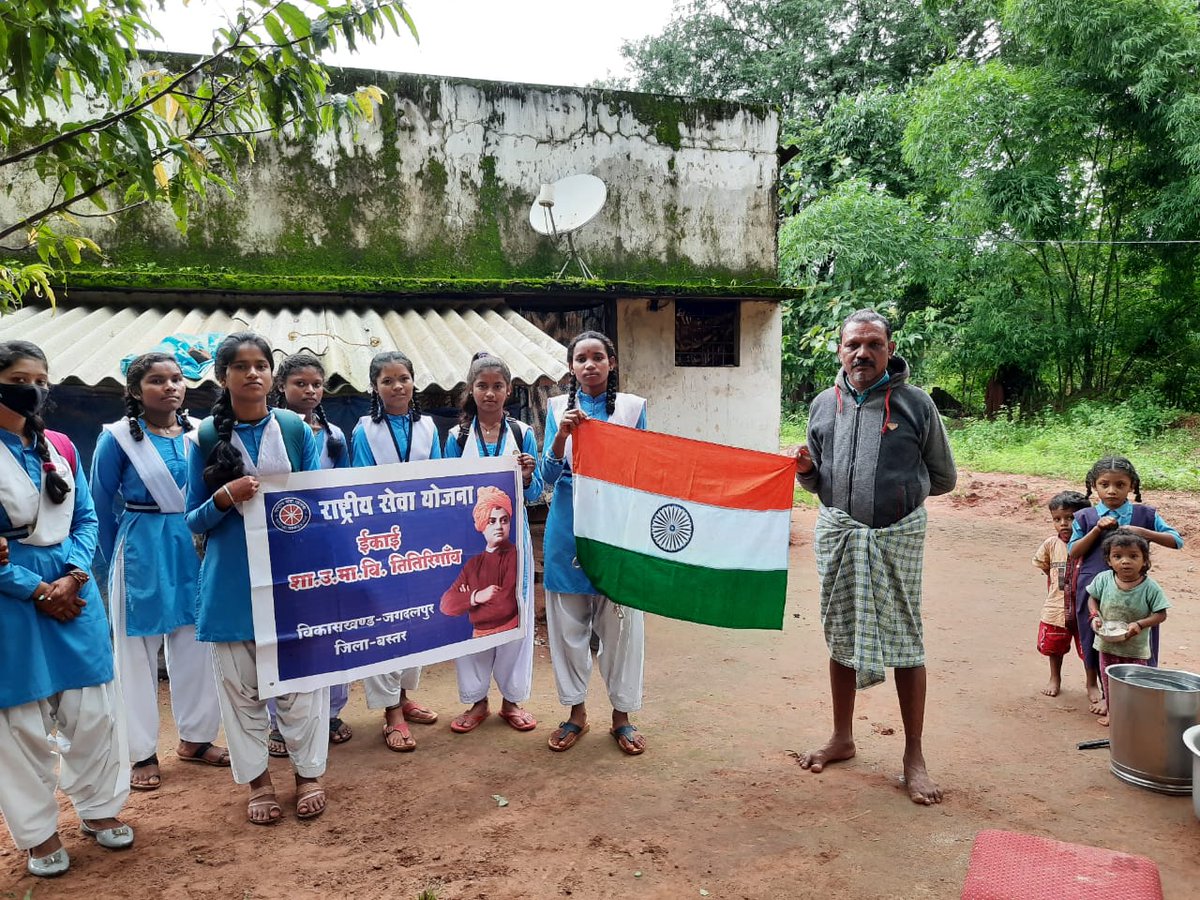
(706, 334)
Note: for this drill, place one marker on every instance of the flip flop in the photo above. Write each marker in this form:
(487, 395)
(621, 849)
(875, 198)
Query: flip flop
(520, 719)
(307, 792)
(339, 731)
(151, 760)
(197, 755)
(276, 737)
(415, 712)
(409, 744)
(264, 798)
(624, 738)
(468, 722)
(569, 733)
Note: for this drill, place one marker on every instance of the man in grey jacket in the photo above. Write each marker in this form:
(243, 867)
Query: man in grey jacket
(876, 449)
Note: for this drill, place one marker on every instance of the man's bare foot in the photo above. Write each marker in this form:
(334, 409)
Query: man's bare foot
(1100, 707)
(1052, 687)
(836, 750)
(921, 788)
(1096, 704)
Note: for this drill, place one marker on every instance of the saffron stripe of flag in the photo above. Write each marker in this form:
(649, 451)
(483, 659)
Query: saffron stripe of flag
(683, 528)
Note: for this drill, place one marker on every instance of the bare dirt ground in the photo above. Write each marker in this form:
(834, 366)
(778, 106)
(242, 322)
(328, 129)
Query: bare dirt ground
(718, 806)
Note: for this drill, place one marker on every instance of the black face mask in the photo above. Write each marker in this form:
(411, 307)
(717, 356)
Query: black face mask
(24, 399)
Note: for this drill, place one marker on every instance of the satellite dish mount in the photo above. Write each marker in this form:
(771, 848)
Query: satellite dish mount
(564, 207)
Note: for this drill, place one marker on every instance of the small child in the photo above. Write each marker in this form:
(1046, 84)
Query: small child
(1054, 630)
(1125, 594)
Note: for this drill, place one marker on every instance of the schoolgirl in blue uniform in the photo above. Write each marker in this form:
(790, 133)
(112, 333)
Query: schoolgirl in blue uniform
(574, 609)
(242, 439)
(1113, 479)
(300, 387)
(395, 431)
(56, 663)
(485, 430)
(153, 569)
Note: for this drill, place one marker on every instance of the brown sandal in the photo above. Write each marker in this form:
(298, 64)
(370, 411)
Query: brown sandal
(308, 791)
(407, 745)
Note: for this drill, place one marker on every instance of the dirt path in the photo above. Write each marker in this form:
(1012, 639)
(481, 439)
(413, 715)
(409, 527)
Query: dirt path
(718, 804)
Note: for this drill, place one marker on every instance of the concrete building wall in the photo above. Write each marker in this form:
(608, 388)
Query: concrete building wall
(734, 405)
(440, 185)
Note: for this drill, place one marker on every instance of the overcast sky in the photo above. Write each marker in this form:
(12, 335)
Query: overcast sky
(568, 42)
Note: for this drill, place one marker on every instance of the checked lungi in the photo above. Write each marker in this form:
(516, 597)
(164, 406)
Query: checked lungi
(871, 592)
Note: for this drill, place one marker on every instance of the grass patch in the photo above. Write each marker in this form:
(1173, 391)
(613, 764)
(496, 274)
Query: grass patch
(1163, 444)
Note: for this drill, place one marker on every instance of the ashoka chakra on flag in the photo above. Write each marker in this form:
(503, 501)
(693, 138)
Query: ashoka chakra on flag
(683, 528)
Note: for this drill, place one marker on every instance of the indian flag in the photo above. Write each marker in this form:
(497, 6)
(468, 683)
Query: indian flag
(683, 528)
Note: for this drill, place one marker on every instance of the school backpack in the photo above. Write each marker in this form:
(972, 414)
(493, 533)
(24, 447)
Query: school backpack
(290, 424)
(65, 448)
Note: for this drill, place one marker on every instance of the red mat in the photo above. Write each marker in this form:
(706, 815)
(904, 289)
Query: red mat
(1006, 865)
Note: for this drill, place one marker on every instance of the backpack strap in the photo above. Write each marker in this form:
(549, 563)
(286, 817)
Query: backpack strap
(292, 427)
(65, 448)
(461, 437)
(518, 438)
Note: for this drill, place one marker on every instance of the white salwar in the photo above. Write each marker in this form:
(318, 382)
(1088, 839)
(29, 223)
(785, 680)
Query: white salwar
(303, 719)
(570, 621)
(383, 691)
(194, 703)
(93, 762)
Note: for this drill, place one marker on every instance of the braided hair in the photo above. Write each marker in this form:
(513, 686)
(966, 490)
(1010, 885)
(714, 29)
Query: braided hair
(35, 428)
(481, 362)
(278, 396)
(133, 385)
(225, 462)
(610, 403)
(1118, 464)
(378, 361)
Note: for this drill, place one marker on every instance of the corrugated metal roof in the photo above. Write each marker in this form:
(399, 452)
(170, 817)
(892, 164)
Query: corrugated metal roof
(86, 345)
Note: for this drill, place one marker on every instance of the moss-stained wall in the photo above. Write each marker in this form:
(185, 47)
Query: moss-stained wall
(440, 186)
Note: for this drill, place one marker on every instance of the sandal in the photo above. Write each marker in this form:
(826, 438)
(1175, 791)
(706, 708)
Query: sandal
(468, 721)
(305, 792)
(276, 745)
(564, 737)
(152, 782)
(339, 731)
(624, 736)
(520, 719)
(407, 744)
(415, 712)
(200, 755)
(263, 799)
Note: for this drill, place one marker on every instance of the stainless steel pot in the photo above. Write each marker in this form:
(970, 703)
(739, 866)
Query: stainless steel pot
(1148, 711)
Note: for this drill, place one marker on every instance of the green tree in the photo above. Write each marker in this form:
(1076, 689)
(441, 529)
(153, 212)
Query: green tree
(105, 128)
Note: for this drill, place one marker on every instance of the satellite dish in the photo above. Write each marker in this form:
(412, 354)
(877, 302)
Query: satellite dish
(566, 206)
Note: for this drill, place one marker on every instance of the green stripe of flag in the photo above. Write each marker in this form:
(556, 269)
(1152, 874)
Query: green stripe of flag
(728, 598)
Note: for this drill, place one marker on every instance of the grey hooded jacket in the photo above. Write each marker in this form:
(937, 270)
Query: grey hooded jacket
(879, 461)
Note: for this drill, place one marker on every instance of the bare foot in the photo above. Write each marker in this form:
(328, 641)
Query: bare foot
(1100, 707)
(836, 750)
(1096, 704)
(1052, 687)
(921, 788)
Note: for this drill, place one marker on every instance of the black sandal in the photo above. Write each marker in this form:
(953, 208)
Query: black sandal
(151, 760)
(275, 737)
(335, 731)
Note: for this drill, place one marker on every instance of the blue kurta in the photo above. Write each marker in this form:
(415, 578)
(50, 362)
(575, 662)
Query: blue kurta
(533, 493)
(161, 565)
(361, 450)
(224, 613)
(562, 572)
(40, 656)
(339, 460)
